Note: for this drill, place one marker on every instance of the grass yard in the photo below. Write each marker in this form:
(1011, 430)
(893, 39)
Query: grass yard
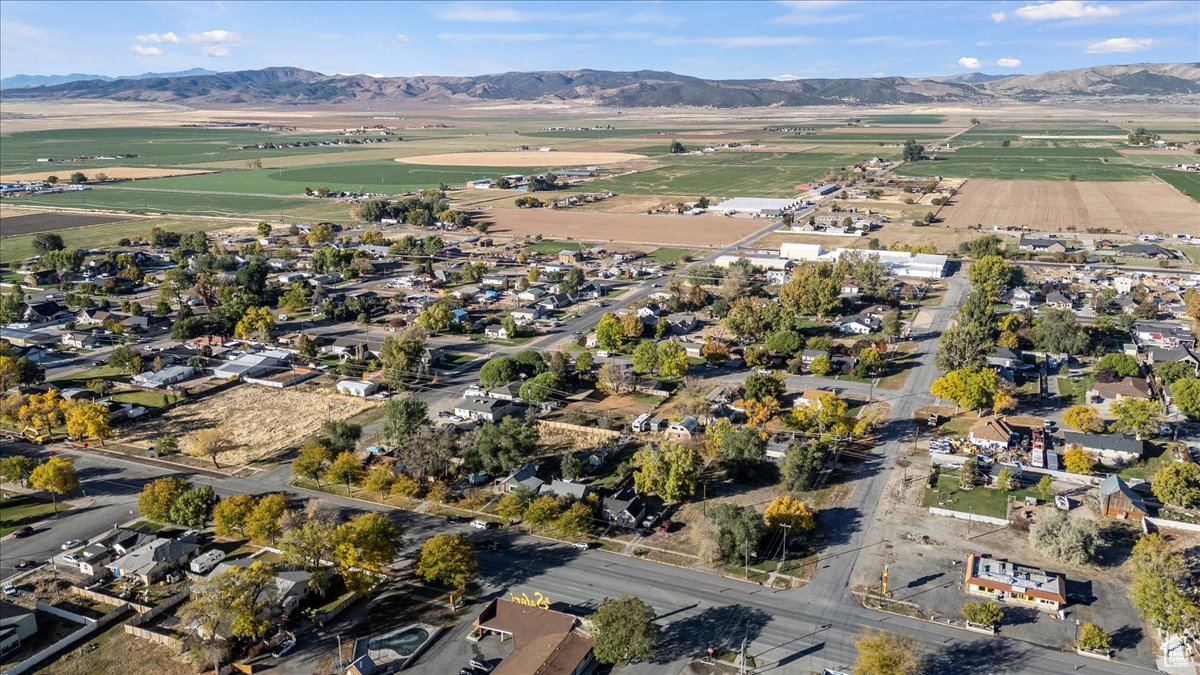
(669, 255)
(21, 510)
(81, 378)
(1074, 389)
(982, 501)
(1156, 458)
(457, 359)
(148, 399)
(553, 246)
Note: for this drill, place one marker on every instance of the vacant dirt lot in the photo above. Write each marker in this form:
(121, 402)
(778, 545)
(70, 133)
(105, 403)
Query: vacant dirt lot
(113, 173)
(32, 223)
(259, 422)
(1130, 207)
(692, 231)
(522, 158)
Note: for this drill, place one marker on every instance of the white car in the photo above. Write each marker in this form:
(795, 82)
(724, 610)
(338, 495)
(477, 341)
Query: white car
(9, 589)
(70, 544)
(480, 524)
(71, 558)
(581, 545)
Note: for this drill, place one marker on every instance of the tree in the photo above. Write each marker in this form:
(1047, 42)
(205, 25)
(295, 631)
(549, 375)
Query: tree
(1178, 484)
(345, 469)
(677, 148)
(78, 178)
(791, 512)
(785, 342)
(429, 451)
(496, 448)
(913, 152)
(379, 478)
(759, 386)
(1093, 639)
(584, 363)
(615, 379)
(881, 653)
(541, 511)
(1173, 371)
(512, 505)
(964, 345)
(403, 357)
(541, 387)
(968, 475)
(576, 520)
(402, 416)
(760, 411)
(1118, 365)
(12, 306)
(714, 352)
(970, 388)
(448, 560)
(1157, 572)
(742, 452)
(210, 442)
(435, 318)
(1083, 418)
(498, 372)
(1004, 480)
(88, 419)
(193, 508)
(126, 360)
(339, 435)
(232, 604)
(821, 365)
(983, 613)
(166, 445)
(672, 359)
(321, 233)
(406, 487)
(740, 530)
(623, 630)
(1045, 488)
(296, 299)
(991, 275)
(803, 462)
(256, 323)
(870, 360)
(264, 523)
(311, 460)
(747, 318)
(1078, 460)
(608, 332)
(16, 469)
(645, 357)
(1141, 417)
(308, 546)
(48, 241)
(1065, 539)
(157, 499)
(1186, 392)
(1055, 331)
(230, 515)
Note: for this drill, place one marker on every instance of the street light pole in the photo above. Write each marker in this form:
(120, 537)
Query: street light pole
(787, 527)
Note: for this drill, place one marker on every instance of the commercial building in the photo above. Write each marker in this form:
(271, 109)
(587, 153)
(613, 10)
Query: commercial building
(544, 641)
(898, 263)
(1004, 581)
(756, 205)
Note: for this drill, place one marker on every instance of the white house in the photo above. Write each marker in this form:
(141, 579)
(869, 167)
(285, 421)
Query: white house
(360, 388)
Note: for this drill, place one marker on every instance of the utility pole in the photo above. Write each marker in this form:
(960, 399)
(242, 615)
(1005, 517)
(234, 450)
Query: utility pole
(743, 659)
(787, 531)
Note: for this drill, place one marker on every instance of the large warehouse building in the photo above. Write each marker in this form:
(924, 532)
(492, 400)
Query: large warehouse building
(756, 205)
(899, 263)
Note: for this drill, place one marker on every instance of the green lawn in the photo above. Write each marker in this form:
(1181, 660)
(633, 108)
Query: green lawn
(1075, 389)
(457, 359)
(81, 378)
(553, 246)
(669, 255)
(1156, 458)
(148, 399)
(983, 501)
(21, 510)
(1029, 163)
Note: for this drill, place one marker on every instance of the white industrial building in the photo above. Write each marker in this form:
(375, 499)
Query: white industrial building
(898, 263)
(762, 262)
(758, 205)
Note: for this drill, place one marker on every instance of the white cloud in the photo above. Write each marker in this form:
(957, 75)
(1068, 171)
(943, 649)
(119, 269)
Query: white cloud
(502, 37)
(218, 36)
(983, 43)
(738, 42)
(143, 50)
(999, 17)
(1121, 44)
(1008, 63)
(786, 77)
(970, 63)
(159, 38)
(1064, 9)
(215, 51)
(399, 38)
(802, 13)
(470, 12)
(633, 35)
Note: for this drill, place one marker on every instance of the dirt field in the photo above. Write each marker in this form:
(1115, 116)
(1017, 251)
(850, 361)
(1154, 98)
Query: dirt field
(1130, 207)
(113, 173)
(521, 158)
(13, 223)
(691, 231)
(260, 422)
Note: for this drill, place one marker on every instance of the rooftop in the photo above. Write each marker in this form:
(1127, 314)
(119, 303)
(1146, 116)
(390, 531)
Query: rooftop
(1019, 578)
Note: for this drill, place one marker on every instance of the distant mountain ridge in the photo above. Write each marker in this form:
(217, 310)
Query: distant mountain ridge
(20, 81)
(643, 88)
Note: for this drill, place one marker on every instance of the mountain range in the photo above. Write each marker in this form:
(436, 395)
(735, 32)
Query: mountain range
(22, 81)
(643, 88)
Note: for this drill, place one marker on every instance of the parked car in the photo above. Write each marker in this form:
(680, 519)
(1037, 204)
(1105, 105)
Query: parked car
(480, 666)
(665, 526)
(71, 558)
(581, 545)
(284, 648)
(23, 532)
(480, 524)
(649, 522)
(70, 544)
(25, 564)
(9, 589)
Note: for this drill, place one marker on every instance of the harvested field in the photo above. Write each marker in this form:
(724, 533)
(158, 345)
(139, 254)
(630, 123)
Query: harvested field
(521, 158)
(260, 423)
(113, 173)
(32, 223)
(689, 231)
(1131, 207)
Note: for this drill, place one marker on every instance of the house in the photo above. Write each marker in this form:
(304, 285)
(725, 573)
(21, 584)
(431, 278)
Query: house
(496, 331)
(812, 397)
(1117, 500)
(1146, 251)
(681, 323)
(78, 340)
(1021, 298)
(167, 376)
(93, 315)
(1126, 387)
(1057, 300)
(683, 430)
(564, 488)
(651, 387)
(1181, 354)
(1110, 449)
(556, 301)
(155, 560)
(42, 312)
(289, 589)
(641, 423)
(1163, 334)
(523, 316)
(253, 365)
(42, 278)
(991, 432)
(859, 324)
(483, 409)
(624, 509)
(17, 624)
(525, 476)
(591, 291)
(1041, 245)
(459, 316)
(507, 392)
(142, 323)
(569, 257)
(466, 293)
(359, 388)
(1004, 581)
(1004, 357)
(809, 355)
(545, 641)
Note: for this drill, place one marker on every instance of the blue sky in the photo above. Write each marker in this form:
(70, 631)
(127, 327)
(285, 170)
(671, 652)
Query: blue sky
(706, 39)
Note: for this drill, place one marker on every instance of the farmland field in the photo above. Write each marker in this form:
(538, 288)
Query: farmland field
(1187, 183)
(14, 223)
(1127, 206)
(20, 247)
(913, 118)
(695, 231)
(1029, 163)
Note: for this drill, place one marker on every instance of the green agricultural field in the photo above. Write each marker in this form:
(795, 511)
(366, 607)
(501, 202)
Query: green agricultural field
(1028, 164)
(669, 255)
(140, 199)
(913, 118)
(96, 236)
(866, 140)
(606, 133)
(1187, 183)
(168, 146)
(985, 131)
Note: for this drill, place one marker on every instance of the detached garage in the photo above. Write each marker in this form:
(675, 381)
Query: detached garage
(360, 388)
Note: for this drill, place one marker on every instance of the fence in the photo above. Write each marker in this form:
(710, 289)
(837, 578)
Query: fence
(91, 627)
(1163, 523)
(963, 515)
(134, 627)
(107, 599)
(579, 429)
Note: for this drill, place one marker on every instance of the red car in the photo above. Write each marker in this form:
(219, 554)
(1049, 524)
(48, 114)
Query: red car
(23, 532)
(665, 526)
